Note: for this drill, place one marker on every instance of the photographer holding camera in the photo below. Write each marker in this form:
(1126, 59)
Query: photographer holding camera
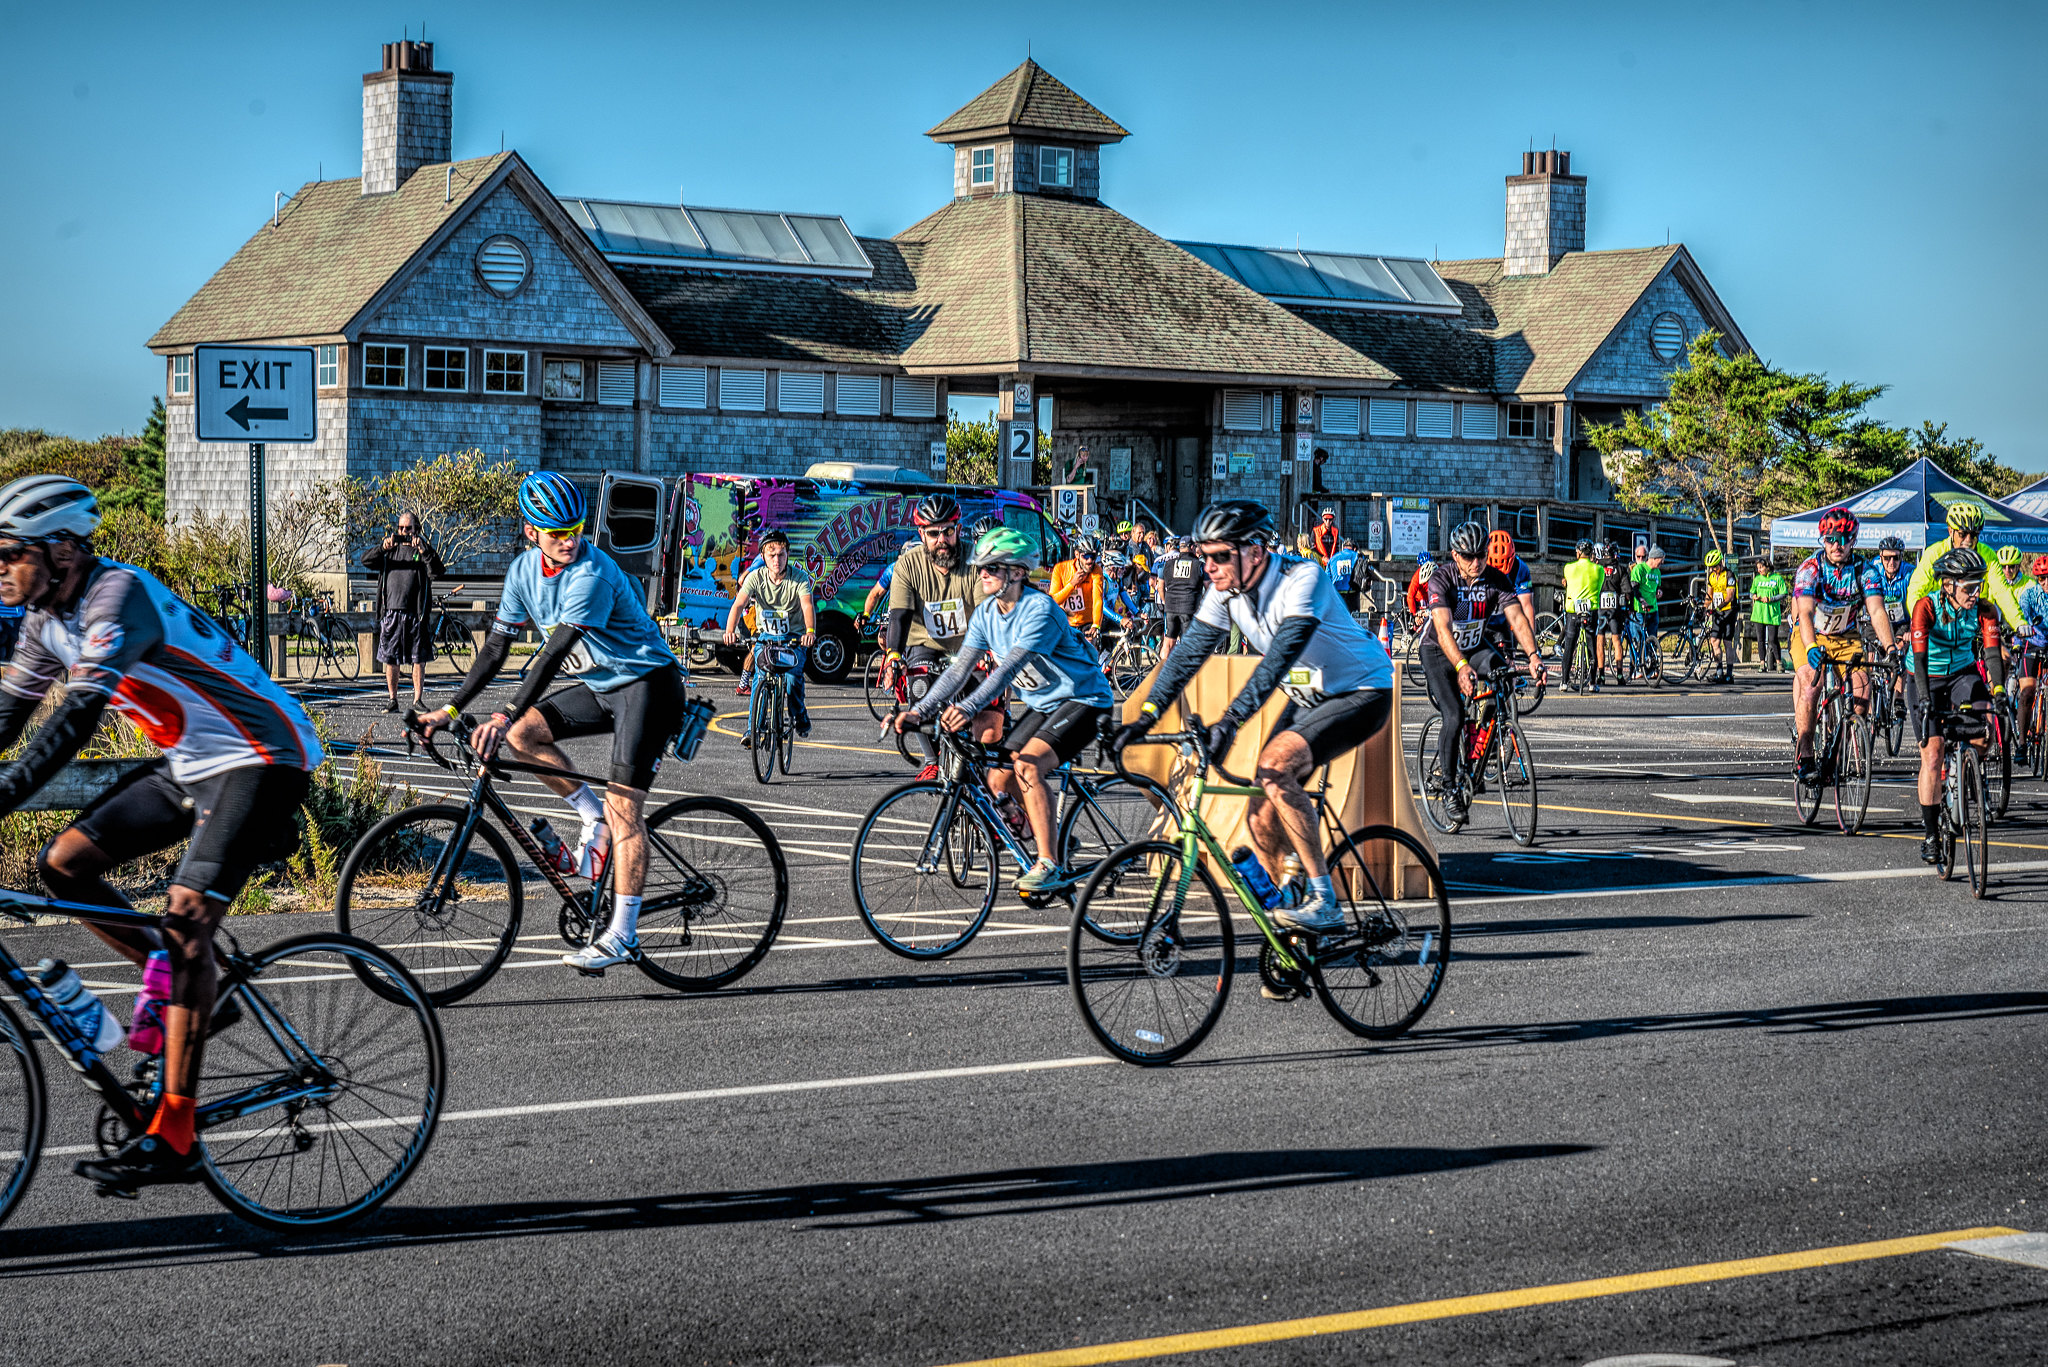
(407, 567)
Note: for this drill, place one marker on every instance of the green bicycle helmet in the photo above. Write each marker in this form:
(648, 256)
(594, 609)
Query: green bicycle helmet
(1005, 546)
(1713, 559)
(1965, 517)
(2008, 555)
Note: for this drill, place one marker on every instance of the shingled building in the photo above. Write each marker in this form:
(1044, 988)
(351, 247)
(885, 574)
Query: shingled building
(462, 303)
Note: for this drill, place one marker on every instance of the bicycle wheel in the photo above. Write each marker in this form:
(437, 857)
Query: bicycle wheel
(1515, 776)
(1413, 673)
(1806, 796)
(1101, 818)
(329, 1092)
(1585, 670)
(1154, 985)
(1998, 761)
(301, 652)
(1852, 773)
(881, 701)
(785, 728)
(1549, 630)
(341, 649)
(1380, 976)
(450, 915)
(1974, 835)
(717, 888)
(453, 640)
(925, 871)
(23, 1109)
(1430, 781)
(760, 732)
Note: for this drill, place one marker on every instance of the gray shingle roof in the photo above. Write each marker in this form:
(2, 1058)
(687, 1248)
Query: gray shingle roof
(1029, 97)
(1545, 328)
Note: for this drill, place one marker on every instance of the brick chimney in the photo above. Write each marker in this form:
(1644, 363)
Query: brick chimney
(1546, 213)
(408, 116)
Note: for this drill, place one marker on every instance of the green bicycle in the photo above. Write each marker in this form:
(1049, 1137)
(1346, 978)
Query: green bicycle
(1152, 948)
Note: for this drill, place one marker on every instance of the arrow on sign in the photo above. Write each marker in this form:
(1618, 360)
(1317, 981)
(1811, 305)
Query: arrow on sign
(243, 414)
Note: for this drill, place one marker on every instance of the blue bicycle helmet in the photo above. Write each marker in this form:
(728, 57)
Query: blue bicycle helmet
(548, 500)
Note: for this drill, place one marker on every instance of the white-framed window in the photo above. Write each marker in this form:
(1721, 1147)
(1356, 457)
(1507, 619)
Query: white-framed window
(383, 367)
(504, 372)
(327, 366)
(744, 391)
(1056, 167)
(615, 383)
(981, 166)
(1432, 418)
(181, 374)
(561, 380)
(1527, 420)
(447, 368)
(800, 391)
(1244, 410)
(1479, 421)
(860, 395)
(1340, 415)
(1387, 417)
(683, 386)
(914, 396)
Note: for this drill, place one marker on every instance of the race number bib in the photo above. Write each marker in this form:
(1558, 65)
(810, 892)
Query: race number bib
(1895, 608)
(1304, 684)
(578, 660)
(1183, 569)
(1076, 602)
(1609, 601)
(773, 623)
(945, 619)
(1029, 680)
(1833, 621)
(1466, 634)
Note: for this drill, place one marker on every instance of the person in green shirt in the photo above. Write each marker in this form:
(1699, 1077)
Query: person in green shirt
(1583, 583)
(779, 593)
(1965, 523)
(1767, 593)
(1646, 581)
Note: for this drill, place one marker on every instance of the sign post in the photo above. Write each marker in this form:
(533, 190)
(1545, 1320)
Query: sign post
(258, 395)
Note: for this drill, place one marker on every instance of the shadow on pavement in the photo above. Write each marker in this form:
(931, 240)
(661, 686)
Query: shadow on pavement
(215, 1236)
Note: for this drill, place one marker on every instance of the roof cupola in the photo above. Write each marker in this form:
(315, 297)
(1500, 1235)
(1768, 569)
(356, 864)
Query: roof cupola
(1028, 134)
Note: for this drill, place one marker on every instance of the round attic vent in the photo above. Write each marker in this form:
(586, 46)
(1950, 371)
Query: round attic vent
(502, 264)
(1667, 336)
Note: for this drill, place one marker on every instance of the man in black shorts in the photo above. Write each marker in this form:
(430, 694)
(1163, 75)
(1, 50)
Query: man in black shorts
(1181, 582)
(1461, 595)
(237, 762)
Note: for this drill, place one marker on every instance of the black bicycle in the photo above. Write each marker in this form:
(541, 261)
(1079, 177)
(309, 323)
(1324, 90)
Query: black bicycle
(439, 886)
(771, 720)
(318, 1098)
(452, 639)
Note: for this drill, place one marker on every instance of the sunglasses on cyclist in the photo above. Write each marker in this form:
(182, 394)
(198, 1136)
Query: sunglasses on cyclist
(576, 530)
(1834, 541)
(17, 551)
(1219, 557)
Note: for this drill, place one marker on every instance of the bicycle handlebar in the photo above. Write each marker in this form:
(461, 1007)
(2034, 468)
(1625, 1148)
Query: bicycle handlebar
(1197, 738)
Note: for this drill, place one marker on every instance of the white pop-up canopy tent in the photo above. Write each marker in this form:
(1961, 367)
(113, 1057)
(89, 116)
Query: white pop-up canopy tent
(1913, 506)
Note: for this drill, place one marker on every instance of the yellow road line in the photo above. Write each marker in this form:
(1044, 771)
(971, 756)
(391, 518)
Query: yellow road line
(809, 744)
(1418, 1311)
(1779, 825)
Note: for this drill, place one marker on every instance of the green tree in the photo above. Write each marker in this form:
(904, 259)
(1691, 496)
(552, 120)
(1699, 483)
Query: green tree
(140, 482)
(971, 451)
(461, 498)
(1963, 457)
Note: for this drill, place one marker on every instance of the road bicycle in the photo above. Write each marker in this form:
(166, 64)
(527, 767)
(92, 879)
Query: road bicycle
(1640, 659)
(2002, 724)
(777, 660)
(1151, 951)
(1887, 706)
(231, 613)
(318, 1098)
(928, 860)
(439, 886)
(907, 685)
(452, 640)
(1843, 750)
(1496, 752)
(1684, 648)
(1964, 798)
(316, 639)
(1582, 671)
(1130, 659)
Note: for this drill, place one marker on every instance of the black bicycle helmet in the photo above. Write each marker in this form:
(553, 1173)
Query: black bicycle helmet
(1960, 564)
(1469, 540)
(934, 509)
(1891, 543)
(981, 528)
(1236, 520)
(1584, 547)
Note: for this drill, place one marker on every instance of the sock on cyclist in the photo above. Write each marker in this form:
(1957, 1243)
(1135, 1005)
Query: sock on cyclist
(172, 1122)
(588, 805)
(1930, 817)
(625, 918)
(1324, 887)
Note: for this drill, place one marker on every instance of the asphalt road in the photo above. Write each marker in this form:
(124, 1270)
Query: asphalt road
(1684, 1030)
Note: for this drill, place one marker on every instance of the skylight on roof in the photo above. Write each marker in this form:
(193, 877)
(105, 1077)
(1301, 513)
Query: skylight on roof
(1332, 279)
(729, 239)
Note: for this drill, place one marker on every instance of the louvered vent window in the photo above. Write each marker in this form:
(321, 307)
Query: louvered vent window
(1388, 418)
(502, 264)
(743, 390)
(800, 391)
(914, 396)
(1244, 410)
(1279, 411)
(1341, 416)
(1432, 418)
(1667, 336)
(860, 395)
(682, 386)
(615, 383)
(1478, 421)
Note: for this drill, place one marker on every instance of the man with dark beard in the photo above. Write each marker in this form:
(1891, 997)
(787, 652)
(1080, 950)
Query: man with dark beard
(930, 601)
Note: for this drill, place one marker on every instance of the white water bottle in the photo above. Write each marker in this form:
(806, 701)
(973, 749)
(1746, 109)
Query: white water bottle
(61, 981)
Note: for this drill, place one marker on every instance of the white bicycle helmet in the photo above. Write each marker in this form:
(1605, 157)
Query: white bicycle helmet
(37, 507)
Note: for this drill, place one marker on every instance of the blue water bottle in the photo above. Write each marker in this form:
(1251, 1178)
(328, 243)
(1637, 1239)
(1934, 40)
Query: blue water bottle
(1254, 873)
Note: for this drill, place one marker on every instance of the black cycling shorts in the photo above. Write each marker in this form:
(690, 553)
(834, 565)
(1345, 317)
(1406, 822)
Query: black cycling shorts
(1722, 624)
(1069, 728)
(1175, 625)
(1337, 724)
(642, 716)
(1614, 621)
(1952, 692)
(237, 820)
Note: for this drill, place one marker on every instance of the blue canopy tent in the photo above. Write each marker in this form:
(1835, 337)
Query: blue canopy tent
(1913, 506)
(2032, 500)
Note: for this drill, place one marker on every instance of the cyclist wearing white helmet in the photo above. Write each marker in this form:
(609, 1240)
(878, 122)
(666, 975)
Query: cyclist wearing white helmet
(1037, 652)
(628, 683)
(237, 762)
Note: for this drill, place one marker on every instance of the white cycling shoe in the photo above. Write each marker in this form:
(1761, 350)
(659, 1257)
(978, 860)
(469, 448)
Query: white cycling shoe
(1319, 916)
(602, 953)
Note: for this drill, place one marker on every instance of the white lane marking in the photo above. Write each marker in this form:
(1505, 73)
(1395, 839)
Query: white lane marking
(1705, 799)
(603, 1103)
(2031, 1249)
(1766, 880)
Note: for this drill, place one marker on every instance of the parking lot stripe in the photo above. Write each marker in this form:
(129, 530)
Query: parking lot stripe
(1416, 1312)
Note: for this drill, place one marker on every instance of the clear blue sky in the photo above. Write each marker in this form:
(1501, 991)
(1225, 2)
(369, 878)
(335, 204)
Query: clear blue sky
(1864, 184)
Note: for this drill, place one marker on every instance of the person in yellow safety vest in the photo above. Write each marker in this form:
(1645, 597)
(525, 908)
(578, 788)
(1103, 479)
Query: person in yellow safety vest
(1721, 596)
(1965, 524)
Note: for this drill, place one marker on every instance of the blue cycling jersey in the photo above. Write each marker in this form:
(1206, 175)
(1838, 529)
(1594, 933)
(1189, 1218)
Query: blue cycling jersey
(620, 641)
(1519, 583)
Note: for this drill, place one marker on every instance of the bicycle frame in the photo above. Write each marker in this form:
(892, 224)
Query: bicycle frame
(972, 786)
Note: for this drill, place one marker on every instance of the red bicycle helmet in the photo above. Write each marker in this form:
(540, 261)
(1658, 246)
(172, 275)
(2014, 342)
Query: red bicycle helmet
(1839, 522)
(2040, 567)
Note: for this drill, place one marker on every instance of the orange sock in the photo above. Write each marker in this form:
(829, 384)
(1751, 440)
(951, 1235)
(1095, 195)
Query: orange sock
(173, 1122)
